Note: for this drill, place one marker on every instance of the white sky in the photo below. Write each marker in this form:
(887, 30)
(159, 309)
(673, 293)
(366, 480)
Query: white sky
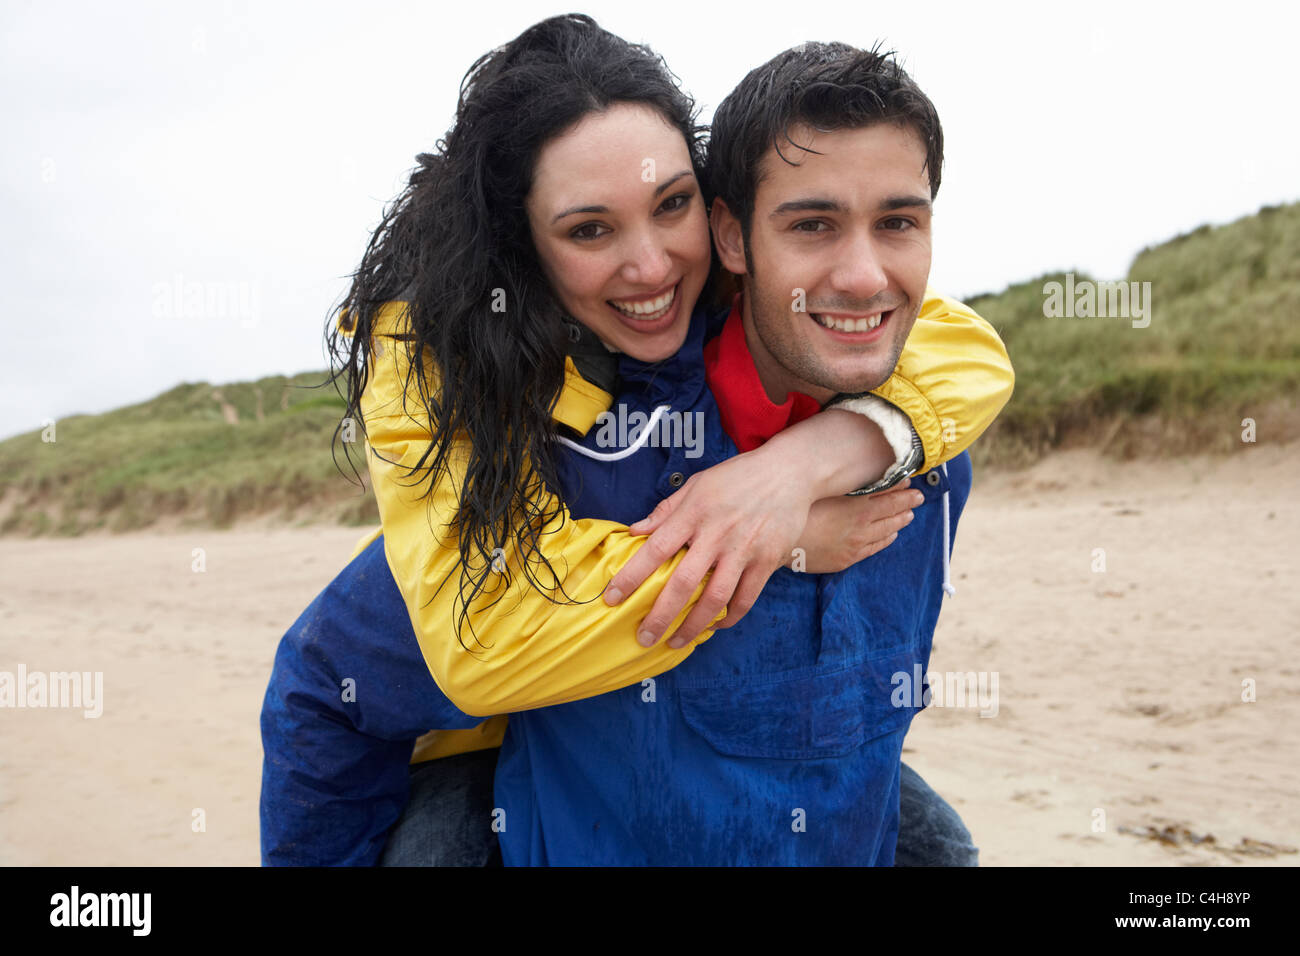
(252, 146)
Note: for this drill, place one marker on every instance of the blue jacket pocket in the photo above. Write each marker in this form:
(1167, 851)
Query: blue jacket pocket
(803, 714)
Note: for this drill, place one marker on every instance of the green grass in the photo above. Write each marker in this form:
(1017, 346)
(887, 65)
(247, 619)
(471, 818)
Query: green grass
(1223, 345)
(177, 454)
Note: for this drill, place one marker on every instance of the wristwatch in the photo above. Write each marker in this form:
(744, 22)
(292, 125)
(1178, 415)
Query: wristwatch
(909, 453)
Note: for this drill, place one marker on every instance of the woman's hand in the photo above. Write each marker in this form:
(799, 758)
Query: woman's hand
(741, 518)
(843, 531)
(838, 533)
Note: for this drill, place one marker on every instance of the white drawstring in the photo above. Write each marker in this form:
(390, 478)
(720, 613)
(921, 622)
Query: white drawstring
(631, 449)
(948, 589)
(658, 413)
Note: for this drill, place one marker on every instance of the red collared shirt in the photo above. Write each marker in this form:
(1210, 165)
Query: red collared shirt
(748, 415)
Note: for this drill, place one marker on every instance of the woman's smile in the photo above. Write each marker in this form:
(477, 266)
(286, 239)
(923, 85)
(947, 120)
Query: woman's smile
(647, 314)
(620, 229)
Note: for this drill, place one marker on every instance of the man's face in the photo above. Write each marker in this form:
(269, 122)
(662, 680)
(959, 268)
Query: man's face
(851, 229)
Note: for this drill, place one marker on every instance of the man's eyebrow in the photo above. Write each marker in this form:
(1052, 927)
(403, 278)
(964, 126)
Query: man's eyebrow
(808, 205)
(905, 202)
(603, 209)
(831, 205)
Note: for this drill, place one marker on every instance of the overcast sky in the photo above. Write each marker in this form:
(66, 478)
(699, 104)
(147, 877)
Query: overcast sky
(249, 148)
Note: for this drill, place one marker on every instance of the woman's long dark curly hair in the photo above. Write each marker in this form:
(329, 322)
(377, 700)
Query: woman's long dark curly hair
(456, 239)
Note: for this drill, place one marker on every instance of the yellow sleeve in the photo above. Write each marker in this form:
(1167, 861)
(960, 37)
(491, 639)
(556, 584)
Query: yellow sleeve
(534, 652)
(952, 379)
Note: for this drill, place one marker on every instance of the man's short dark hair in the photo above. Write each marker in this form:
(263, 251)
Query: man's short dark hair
(828, 86)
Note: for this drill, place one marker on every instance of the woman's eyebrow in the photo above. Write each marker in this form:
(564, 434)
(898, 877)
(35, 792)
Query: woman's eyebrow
(668, 182)
(578, 209)
(603, 209)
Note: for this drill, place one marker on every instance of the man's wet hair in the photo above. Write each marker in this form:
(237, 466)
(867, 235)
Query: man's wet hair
(827, 86)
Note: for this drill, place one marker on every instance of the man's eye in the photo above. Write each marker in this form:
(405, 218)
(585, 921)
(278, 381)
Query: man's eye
(810, 225)
(896, 223)
(587, 231)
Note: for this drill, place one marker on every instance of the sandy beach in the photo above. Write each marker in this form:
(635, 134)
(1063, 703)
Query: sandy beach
(1125, 609)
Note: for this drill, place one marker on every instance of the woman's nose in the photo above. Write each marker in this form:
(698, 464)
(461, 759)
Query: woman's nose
(648, 263)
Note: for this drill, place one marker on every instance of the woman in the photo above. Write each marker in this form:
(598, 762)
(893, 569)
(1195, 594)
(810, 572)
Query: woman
(493, 290)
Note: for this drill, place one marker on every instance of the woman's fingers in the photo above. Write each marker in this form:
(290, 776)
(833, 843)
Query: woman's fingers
(677, 592)
(658, 549)
(717, 593)
(654, 519)
(847, 530)
(747, 592)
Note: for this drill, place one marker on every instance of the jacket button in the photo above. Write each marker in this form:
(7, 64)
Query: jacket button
(676, 479)
(932, 478)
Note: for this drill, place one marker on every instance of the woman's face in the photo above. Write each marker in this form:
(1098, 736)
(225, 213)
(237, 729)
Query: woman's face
(620, 228)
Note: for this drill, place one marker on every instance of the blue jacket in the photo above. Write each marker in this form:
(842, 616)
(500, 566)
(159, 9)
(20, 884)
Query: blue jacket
(775, 742)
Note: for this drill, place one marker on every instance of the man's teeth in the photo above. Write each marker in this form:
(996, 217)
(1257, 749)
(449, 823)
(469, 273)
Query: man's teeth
(650, 309)
(849, 325)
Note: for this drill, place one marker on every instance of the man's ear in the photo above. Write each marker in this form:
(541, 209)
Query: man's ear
(727, 237)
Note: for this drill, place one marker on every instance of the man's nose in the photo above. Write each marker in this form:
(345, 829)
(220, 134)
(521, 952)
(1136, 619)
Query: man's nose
(648, 263)
(859, 271)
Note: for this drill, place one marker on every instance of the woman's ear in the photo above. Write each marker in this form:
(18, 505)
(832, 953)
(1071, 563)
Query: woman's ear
(727, 237)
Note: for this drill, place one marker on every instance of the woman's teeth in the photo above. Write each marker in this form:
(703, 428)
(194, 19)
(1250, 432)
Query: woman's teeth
(650, 309)
(849, 325)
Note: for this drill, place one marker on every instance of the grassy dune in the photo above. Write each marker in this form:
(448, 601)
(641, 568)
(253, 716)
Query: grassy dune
(209, 454)
(1223, 344)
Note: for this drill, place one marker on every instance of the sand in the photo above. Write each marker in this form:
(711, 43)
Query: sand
(1120, 737)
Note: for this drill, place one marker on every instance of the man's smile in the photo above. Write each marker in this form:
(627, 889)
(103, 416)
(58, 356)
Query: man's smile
(851, 327)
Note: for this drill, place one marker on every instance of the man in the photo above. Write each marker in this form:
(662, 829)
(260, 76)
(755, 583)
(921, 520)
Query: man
(798, 721)
(767, 748)
(830, 229)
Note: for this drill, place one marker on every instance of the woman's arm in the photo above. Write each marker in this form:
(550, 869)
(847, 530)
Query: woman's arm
(537, 652)
(952, 379)
(534, 651)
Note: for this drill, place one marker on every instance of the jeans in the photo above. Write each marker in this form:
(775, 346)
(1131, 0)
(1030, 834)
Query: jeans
(447, 821)
(930, 832)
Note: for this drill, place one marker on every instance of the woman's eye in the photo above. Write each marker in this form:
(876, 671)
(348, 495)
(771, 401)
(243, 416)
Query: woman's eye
(674, 203)
(588, 230)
